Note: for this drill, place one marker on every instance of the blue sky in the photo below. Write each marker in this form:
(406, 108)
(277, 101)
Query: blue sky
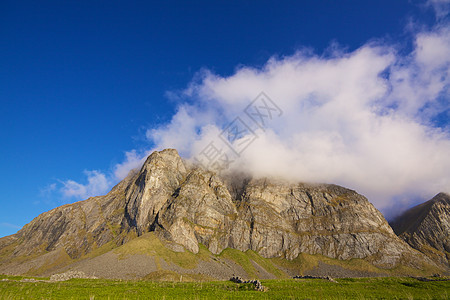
(83, 83)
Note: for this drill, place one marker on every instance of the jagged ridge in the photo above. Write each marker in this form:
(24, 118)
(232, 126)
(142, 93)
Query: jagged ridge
(426, 227)
(187, 206)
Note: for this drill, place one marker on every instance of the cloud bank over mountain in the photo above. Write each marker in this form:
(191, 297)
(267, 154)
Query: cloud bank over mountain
(375, 119)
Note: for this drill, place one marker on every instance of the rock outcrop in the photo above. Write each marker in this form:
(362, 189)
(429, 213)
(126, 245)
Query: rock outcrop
(187, 206)
(159, 177)
(78, 228)
(426, 227)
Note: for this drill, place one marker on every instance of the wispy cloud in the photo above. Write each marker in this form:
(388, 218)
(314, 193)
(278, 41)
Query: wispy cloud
(97, 184)
(48, 190)
(441, 7)
(133, 160)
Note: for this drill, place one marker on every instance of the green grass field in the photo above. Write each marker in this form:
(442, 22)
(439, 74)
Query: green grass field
(349, 288)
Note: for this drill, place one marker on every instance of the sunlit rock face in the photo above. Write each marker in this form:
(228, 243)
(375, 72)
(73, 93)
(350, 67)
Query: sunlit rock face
(187, 206)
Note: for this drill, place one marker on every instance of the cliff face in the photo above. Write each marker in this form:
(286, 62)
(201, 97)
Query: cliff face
(277, 219)
(426, 227)
(157, 180)
(187, 206)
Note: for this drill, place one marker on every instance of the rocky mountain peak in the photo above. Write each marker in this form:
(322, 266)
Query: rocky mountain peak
(186, 206)
(426, 227)
(158, 178)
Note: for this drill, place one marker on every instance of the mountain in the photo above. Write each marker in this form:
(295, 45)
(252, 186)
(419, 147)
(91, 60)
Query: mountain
(426, 227)
(171, 216)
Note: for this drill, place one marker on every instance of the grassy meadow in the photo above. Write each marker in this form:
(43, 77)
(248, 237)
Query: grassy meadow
(349, 288)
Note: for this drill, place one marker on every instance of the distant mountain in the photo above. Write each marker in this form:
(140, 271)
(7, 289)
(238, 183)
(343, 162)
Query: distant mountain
(426, 227)
(171, 216)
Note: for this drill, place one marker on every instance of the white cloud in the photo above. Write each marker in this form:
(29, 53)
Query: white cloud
(432, 49)
(362, 119)
(133, 160)
(97, 184)
(178, 132)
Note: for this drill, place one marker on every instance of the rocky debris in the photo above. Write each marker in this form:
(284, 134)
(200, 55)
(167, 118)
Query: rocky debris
(69, 275)
(314, 277)
(57, 277)
(25, 280)
(237, 279)
(258, 286)
(256, 283)
(187, 206)
(426, 227)
(30, 280)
